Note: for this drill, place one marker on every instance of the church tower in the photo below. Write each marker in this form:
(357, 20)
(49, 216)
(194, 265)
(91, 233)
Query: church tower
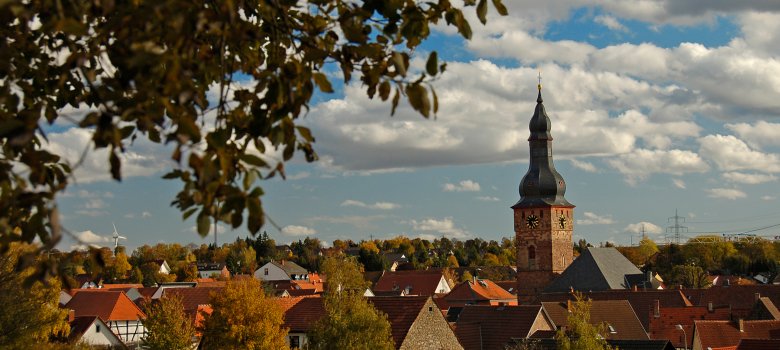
(543, 217)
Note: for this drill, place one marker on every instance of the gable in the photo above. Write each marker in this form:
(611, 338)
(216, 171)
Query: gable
(595, 270)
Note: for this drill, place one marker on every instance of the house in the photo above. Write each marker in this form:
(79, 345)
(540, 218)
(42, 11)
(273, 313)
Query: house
(481, 327)
(642, 301)
(664, 321)
(740, 298)
(193, 299)
(758, 344)
(478, 292)
(91, 330)
(552, 344)
(764, 309)
(416, 323)
(394, 260)
(413, 282)
(281, 271)
(597, 269)
(729, 280)
(206, 270)
(114, 308)
(724, 334)
(164, 268)
(300, 316)
(618, 315)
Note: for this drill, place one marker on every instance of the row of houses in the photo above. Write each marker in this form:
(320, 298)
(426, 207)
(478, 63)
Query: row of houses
(425, 312)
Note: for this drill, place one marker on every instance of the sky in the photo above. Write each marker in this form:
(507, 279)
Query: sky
(657, 107)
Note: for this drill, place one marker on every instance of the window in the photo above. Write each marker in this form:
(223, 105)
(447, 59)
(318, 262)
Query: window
(265, 271)
(97, 328)
(295, 342)
(531, 252)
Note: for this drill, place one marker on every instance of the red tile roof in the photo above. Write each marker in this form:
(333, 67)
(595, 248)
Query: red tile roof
(616, 313)
(509, 286)
(642, 301)
(108, 305)
(191, 298)
(483, 290)
(665, 325)
(758, 344)
(401, 312)
(740, 298)
(495, 326)
(301, 313)
(122, 286)
(716, 334)
(420, 282)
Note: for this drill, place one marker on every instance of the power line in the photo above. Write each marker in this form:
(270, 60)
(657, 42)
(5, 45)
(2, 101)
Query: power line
(677, 227)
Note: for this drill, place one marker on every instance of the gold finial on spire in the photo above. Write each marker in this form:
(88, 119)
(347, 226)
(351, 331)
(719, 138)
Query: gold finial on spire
(540, 81)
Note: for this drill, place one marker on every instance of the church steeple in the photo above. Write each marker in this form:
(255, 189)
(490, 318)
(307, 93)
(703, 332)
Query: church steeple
(542, 185)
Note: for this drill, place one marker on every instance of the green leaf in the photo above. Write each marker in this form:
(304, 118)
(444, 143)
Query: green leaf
(384, 90)
(253, 160)
(396, 98)
(116, 166)
(482, 11)
(256, 218)
(204, 224)
(188, 213)
(432, 66)
(418, 98)
(398, 63)
(305, 133)
(500, 7)
(322, 82)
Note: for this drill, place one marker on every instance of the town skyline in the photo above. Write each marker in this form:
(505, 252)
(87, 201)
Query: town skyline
(651, 111)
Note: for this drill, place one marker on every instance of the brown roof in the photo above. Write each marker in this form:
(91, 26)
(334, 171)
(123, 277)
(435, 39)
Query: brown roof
(191, 298)
(108, 305)
(483, 290)
(740, 298)
(509, 286)
(642, 301)
(664, 326)
(401, 312)
(758, 344)
(615, 313)
(301, 313)
(420, 282)
(717, 334)
(122, 286)
(769, 307)
(494, 325)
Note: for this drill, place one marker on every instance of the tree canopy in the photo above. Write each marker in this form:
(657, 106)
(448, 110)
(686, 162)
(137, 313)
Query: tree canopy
(580, 334)
(244, 318)
(135, 71)
(168, 328)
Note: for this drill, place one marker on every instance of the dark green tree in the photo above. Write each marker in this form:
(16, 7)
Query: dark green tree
(143, 69)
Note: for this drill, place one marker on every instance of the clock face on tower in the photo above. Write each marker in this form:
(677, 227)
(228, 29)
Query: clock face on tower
(562, 221)
(532, 221)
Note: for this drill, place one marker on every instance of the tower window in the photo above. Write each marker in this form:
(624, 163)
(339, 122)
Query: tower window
(531, 252)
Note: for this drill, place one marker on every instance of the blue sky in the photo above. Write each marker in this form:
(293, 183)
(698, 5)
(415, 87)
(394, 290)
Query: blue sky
(656, 106)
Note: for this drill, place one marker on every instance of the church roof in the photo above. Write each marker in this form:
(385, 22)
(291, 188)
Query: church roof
(595, 269)
(542, 185)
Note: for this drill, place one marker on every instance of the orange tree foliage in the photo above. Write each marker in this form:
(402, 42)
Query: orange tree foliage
(243, 317)
(142, 70)
(168, 328)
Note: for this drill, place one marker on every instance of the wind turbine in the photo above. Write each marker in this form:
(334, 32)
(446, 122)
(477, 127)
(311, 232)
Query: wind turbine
(116, 237)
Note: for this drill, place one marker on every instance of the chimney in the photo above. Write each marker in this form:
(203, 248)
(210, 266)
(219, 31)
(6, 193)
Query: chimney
(636, 288)
(741, 323)
(649, 276)
(710, 308)
(282, 262)
(71, 315)
(657, 309)
(756, 297)
(568, 305)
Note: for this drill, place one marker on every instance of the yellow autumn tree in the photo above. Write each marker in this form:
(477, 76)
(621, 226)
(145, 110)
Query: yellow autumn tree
(33, 315)
(243, 317)
(168, 328)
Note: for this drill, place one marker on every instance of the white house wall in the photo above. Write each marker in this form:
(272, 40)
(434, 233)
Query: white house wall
(275, 273)
(99, 334)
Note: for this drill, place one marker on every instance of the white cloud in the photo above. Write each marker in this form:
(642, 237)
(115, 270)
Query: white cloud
(761, 133)
(295, 230)
(594, 219)
(89, 237)
(639, 164)
(610, 22)
(768, 198)
(488, 199)
(678, 183)
(444, 226)
(648, 227)
(584, 166)
(95, 203)
(146, 214)
(298, 176)
(726, 193)
(377, 205)
(750, 179)
(730, 153)
(463, 186)
(92, 213)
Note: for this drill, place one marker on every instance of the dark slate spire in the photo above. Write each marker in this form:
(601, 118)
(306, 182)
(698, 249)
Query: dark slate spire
(541, 185)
